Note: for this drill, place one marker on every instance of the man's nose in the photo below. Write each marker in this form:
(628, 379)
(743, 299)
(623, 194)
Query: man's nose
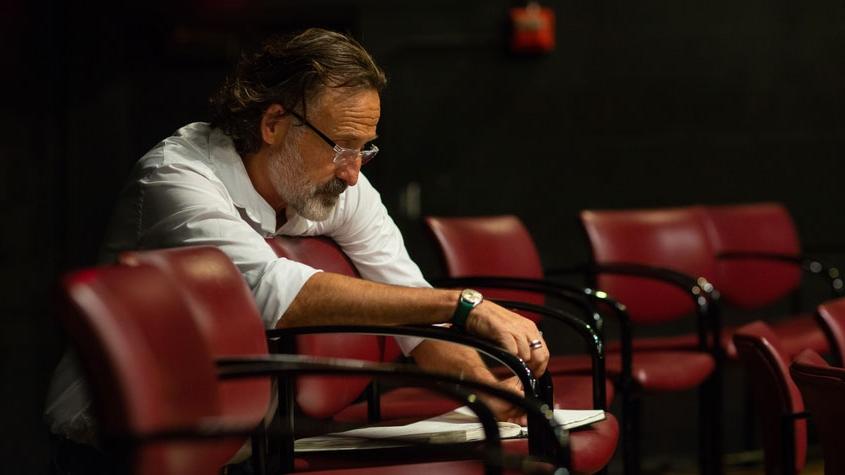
(348, 172)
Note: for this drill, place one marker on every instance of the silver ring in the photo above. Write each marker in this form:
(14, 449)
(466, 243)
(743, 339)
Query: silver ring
(535, 344)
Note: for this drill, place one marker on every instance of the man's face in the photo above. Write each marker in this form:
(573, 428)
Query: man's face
(302, 170)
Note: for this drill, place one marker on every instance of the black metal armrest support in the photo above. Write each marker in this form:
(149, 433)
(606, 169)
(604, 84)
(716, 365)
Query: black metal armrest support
(244, 367)
(812, 266)
(578, 296)
(542, 391)
(705, 297)
(583, 297)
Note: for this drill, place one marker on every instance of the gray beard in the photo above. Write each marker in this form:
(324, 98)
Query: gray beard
(314, 202)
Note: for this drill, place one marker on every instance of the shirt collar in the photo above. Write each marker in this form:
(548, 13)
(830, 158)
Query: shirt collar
(229, 167)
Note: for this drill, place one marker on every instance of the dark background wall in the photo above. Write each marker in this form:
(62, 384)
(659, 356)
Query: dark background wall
(643, 104)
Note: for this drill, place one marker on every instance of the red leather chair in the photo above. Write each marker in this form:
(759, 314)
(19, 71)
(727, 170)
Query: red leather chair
(207, 276)
(502, 246)
(657, 263)
(143, 393)
(758, 262)
(496, 254)
(591, 449)
(823, 389)
(776, 399)
(155, 381)
(225, 310)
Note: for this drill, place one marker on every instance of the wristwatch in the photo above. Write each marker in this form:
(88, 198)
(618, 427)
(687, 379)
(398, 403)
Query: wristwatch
(468, 300)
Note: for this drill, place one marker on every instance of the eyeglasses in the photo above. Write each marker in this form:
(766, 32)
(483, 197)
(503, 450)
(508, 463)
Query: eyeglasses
(342, 155)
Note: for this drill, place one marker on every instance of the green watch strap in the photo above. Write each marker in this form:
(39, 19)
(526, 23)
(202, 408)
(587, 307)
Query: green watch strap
(459, 318)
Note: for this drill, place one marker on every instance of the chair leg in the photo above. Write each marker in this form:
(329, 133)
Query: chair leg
(704, 428)
(259, 450)
(631, 424)
(286, 417)
(718, 416)
(710, 427)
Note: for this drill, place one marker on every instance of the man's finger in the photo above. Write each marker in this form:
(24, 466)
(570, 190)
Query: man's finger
(539, 356)
(523, 351)
(509, 344)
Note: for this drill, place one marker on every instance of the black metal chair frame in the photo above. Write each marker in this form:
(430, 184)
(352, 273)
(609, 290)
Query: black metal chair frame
(291, 365)
(282, 341)
(705, 299)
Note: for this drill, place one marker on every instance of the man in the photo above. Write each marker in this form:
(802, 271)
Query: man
(291, 129)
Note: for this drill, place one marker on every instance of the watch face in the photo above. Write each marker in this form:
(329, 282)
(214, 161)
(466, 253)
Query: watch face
(472, 296)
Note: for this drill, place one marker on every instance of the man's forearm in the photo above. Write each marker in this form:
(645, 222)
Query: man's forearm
(334, 299)
(328, 298)
(452, 359)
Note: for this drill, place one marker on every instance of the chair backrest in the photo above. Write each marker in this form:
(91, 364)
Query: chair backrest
(223, 308)
(758, 227)
(672, 238)
(774, 394)
(320, 396)
(823, 389)
(498, 246)
(486, 245)
(832, 315)
(148, 367)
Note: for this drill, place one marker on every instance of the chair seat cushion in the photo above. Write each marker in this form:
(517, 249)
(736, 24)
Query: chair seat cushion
(592, 447)
(795, 334)
(651, 370)
(685, 342)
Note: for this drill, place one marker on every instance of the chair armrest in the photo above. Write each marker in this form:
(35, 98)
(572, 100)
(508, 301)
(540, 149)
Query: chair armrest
(704, 296)
(814, 267)
(583, 297)
(578, 296)
(272, 365)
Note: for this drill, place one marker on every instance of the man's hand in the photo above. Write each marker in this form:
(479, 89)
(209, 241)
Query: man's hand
(512, 332)
(458, 360)
(503, 410)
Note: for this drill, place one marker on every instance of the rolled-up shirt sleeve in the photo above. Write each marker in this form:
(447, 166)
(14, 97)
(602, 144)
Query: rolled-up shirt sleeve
(180, 206)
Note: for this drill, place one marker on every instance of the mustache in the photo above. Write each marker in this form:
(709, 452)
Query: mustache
(334, 187)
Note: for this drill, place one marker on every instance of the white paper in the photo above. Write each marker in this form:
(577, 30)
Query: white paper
(460, 425)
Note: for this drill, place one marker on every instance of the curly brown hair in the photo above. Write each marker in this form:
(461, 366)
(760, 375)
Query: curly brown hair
(289, 70)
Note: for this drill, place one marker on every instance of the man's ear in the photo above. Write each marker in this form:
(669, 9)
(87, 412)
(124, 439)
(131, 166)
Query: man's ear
(274, 124)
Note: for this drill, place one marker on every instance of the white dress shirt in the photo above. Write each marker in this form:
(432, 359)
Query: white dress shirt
(193, 189)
